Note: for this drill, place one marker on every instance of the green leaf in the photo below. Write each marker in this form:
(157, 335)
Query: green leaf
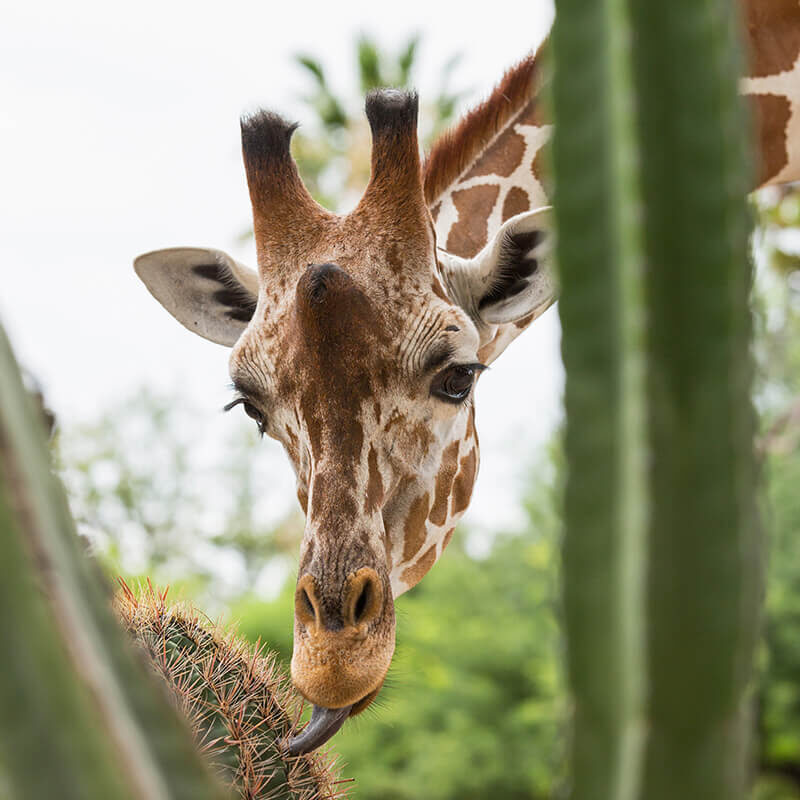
(370, 76)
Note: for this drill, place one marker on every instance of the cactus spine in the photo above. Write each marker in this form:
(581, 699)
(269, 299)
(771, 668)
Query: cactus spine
(240, 707)
(661, 565)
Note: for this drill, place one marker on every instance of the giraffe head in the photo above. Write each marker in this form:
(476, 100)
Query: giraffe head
(357, 344)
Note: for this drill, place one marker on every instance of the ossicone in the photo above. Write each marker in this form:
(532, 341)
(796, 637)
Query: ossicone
(392, 111)
(266, 137)
(281, 203)
(395, 187)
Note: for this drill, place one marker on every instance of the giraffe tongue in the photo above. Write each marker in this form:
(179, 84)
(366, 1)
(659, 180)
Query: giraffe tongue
(323, 724)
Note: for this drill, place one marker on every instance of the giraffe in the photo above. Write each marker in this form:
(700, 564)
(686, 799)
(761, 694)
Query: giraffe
(353, 348)
(359, 339)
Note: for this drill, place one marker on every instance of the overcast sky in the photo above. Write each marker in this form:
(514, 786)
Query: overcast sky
(119, 130)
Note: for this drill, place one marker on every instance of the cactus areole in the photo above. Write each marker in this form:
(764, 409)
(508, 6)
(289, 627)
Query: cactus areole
(358, 341)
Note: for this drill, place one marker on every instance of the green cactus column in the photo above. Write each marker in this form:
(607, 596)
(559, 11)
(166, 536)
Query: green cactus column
(661, 568)
(704, 564)
(599, 255)
(80, 719)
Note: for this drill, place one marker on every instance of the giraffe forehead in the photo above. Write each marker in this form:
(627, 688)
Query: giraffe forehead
(335, 368)
(339, 326)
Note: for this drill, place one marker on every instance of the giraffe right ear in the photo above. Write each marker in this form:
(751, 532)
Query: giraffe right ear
(206, 290)
(512, 277)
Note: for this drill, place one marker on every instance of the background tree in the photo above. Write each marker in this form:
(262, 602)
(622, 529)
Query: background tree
(334, 154)
(777, 303)
(155, 499)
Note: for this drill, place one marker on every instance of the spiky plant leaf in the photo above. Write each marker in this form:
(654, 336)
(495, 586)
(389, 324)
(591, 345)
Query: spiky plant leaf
(406, 59)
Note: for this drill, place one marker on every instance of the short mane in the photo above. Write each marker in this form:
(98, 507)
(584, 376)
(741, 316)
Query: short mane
(459, 148)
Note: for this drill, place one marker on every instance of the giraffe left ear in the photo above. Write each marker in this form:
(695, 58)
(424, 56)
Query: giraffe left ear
(511, 277)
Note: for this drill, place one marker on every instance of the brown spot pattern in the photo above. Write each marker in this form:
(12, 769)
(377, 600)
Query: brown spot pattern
(414, 528)
(444, 483)
(515, 203)
(447, 537)
(532, 114)
(330, 498)
(470, 431)
(540, 169)
(485, 352)
(524, 322)
(772, 114)
(462, 486)
(468, 235)
(422, 435)
(414, 574)
(774, 34)
(458, 149)
(502, 157)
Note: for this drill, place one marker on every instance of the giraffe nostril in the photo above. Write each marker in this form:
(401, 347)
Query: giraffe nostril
(306, 601)
(306, 604)
(361, 603)
(363, 597)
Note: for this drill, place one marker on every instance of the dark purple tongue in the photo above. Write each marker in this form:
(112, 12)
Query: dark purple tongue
(323, 724)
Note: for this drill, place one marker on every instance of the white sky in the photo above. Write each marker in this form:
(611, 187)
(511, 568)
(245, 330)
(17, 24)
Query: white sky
(119, 131)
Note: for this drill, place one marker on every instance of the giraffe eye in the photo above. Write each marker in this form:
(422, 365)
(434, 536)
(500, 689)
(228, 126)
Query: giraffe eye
(250, 410)
(454, 384)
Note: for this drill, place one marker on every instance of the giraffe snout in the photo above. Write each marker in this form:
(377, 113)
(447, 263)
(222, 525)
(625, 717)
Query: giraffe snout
(343, 640)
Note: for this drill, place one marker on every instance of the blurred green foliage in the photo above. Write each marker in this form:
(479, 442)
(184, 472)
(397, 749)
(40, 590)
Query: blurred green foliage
(161, 492)
(777, 305)
(778, 694)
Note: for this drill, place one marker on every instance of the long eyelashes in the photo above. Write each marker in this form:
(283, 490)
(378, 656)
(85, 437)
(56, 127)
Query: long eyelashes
(250, 410)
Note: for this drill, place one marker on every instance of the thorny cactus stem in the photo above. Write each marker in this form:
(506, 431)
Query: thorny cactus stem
(79, 718)
(241, 707)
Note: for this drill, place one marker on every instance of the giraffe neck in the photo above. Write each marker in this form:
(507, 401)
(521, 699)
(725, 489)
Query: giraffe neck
(508, 175)
(773, 84)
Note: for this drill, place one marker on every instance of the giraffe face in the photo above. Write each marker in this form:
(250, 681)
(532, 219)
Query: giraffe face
(371, 397)
(357, 346)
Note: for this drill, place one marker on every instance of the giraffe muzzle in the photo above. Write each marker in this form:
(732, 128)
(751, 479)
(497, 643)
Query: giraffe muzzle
(342, 650)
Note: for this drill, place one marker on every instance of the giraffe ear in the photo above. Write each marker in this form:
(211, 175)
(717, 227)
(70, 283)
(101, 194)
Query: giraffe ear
(205, 290)
(511, 277)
